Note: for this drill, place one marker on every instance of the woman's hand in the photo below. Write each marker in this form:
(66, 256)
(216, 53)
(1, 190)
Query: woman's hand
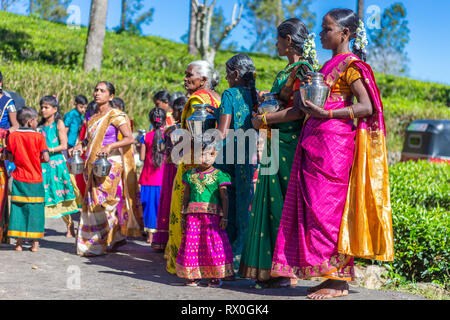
(257, 121)
(313, 110)
(260, 95)
(104, 151)
(211, 111)
(78, 147)
(223, 223)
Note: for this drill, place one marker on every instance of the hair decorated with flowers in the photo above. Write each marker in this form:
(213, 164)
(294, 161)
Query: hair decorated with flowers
(361, 38)
(309, 50)
(346, 18)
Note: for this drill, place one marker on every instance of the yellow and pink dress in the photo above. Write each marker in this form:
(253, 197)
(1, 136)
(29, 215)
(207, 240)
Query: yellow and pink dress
(337, 204)
(205, 251)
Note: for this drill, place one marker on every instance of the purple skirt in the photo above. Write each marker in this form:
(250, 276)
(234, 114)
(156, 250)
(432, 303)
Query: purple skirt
(205, 251)
(161, 236)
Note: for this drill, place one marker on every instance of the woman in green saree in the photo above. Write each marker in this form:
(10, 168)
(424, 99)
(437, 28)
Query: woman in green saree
(256, 259)
(235, 113)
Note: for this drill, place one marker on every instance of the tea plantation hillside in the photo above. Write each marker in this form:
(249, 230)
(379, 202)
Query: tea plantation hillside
(38, 57)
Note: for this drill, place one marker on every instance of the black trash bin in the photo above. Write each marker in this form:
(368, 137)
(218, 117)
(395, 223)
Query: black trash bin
(427, 139)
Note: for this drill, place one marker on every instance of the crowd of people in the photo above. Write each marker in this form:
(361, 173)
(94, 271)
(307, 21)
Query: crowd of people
(327, 203)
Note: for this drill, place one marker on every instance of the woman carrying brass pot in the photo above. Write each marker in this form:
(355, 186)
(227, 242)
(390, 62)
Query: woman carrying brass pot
(199, 81)
(106, 218)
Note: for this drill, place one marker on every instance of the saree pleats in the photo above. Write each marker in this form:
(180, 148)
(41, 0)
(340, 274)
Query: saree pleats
(265, 216)
(256, 260)
(366, 228)
(111, 208)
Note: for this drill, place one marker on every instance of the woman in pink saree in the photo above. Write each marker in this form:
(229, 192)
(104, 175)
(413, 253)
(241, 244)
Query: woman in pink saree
(337, 204)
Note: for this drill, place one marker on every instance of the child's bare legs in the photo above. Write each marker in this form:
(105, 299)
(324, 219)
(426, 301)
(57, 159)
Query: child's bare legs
(35, 246)
(69, 223)
(18, 244)
(149, 237)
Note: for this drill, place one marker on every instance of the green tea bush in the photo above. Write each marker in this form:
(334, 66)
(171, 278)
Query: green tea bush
(420, 200)
(393, 86)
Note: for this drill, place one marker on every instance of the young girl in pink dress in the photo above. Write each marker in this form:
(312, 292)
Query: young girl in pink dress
(161, 236)
(205, 251)
(152, 173)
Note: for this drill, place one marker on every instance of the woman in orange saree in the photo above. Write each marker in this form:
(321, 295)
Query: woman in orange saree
(199, 82)
(337, 205)
(105, 219)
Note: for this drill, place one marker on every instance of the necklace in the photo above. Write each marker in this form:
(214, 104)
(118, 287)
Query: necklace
(202, 179)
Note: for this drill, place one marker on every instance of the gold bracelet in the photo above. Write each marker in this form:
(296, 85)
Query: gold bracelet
(264, 118)
(352, 115)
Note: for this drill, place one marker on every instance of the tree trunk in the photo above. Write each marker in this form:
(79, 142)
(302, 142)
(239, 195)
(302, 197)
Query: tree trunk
(360, 10)
(192, 49)
(31, 7)
(93, 53)
(123, 16)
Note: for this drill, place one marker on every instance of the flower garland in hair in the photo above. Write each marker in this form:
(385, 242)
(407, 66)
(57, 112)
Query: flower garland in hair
(361, 37)
(309, 50)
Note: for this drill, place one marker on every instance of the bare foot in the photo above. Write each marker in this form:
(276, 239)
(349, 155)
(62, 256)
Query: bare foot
(318, 287)
(215, 283)
(192, 283)
(333, 289)
(70, 232)
(35, 246)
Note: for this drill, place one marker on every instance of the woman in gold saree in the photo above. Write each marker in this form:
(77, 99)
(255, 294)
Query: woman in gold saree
(111, 208)
(199, 82)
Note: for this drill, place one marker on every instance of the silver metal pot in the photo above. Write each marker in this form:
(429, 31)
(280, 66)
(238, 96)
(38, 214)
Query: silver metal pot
(269, 104)
(200, 121)
(102, 167)
(317, 91)
(76, 163)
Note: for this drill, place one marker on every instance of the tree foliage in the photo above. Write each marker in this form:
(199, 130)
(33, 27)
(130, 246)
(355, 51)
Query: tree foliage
(133, 16)
(387, 44)
(53, 10)
(4, 4)
(264, 16)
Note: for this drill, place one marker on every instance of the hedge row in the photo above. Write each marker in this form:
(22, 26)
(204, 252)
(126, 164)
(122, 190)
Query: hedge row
(420, 198)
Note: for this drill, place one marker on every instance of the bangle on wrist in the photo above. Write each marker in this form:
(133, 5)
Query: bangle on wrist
(264, 120)
(350, 110)
(330, 114)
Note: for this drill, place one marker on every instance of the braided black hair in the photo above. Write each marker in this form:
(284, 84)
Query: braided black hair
(157, 117)
(246, 68)
(346, 18)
